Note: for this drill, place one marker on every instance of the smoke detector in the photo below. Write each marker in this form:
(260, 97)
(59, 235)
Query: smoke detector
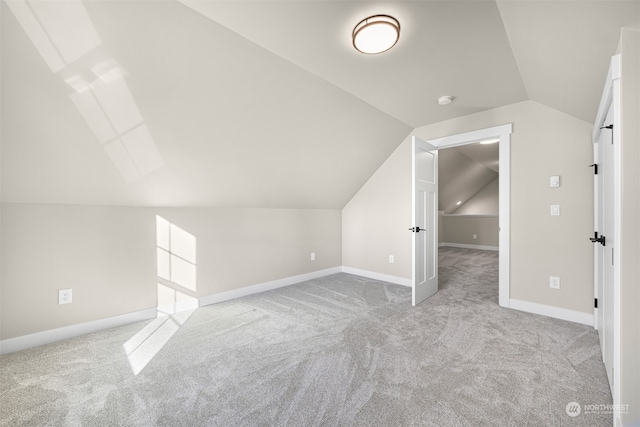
(445, 100)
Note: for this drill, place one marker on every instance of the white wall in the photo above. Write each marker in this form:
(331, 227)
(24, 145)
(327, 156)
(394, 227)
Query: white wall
(544, 142)
(630, 239)
(375, 222)
(107, 255)
(460, 229)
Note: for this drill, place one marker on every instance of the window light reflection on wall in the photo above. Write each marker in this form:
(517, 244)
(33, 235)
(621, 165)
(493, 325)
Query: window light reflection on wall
(176, 267)
(176, 252)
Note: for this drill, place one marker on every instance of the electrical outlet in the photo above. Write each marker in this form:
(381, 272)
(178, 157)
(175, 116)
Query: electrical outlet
(392, 259)
(554, 181)
(313, 256)
(555, 210)
(475, 237)
(65, 296)
(554, 282)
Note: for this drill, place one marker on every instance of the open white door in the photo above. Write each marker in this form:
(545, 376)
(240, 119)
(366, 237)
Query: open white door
(425, 220)
(606, 135)
(605, 240)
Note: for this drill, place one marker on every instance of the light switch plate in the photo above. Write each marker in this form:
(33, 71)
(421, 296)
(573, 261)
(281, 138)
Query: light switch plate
(555, 210)
(554, 181)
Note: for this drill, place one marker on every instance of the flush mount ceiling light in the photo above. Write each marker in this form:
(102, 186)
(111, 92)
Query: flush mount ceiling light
(376, 34)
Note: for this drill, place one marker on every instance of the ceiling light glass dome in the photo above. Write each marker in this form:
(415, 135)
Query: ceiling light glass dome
(376, 34)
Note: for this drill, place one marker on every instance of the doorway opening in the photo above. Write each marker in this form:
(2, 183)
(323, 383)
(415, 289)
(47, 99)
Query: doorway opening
(468, 196)
(503, 135)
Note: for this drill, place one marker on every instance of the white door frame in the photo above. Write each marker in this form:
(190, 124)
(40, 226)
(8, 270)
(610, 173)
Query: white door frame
(504, 133)
(611, 97)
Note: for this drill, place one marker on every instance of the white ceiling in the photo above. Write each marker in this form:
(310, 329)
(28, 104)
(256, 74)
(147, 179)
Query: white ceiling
(487, 155)
(446, 48)
(266, 103)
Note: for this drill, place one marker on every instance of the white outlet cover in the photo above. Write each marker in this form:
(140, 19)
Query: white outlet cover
(555, 210)
(554, 181)
(392, 259)
(313, 256)
(65, 296)
(554, 282)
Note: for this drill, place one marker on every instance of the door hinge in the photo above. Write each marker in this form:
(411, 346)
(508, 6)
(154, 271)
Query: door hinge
(595, 168)
(595, 303)
(609, 127)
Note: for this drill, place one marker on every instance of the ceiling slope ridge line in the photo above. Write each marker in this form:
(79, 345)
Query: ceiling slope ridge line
(561, 112)
(475, 161)
(187, 4)
(513, 54)
(478, 192)
(357, 191)
(149, 206)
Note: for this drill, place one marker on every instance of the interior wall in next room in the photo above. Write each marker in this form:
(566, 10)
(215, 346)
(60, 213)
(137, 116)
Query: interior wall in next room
(475, 222)
(462, 229)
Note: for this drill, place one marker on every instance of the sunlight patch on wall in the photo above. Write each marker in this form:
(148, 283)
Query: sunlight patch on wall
(108, 108)
(176, 254)
(171, 301)
(63, 34)
(176, 267)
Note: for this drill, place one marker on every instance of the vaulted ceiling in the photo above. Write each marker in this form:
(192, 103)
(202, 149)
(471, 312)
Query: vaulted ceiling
(266, 103)
(463, 172)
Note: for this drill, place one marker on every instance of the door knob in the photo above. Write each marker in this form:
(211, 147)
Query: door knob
(416, 229)
(602, 240)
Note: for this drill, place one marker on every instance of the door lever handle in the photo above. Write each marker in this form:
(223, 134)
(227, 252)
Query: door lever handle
(416, 229)
(602, 240)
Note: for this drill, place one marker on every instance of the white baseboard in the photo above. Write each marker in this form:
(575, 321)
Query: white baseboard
(267, 286)
(550, 311)
(46, 337)
(378, 276)
(466, 246)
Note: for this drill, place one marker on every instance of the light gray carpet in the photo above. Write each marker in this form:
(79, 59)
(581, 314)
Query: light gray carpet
(340, 350)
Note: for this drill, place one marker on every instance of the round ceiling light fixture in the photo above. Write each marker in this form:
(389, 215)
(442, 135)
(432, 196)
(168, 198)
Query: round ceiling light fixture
(376, 34)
